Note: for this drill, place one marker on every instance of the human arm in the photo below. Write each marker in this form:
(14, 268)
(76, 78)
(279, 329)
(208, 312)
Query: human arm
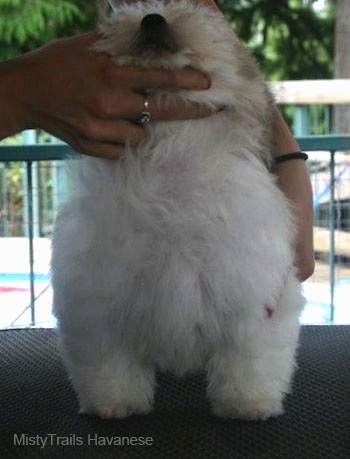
(84, 99)
(293, 179)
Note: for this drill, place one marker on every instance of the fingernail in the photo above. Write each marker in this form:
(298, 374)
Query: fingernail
(206, 83)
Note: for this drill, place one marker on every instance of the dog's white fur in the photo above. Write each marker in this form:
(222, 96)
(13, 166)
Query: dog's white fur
(166, 258)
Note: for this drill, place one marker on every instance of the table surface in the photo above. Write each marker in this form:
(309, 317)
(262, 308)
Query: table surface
(37, 403)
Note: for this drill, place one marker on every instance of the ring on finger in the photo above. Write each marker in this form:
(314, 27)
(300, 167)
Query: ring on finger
(145, 116)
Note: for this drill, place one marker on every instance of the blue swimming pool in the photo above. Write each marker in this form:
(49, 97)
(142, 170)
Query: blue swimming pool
(22, 277)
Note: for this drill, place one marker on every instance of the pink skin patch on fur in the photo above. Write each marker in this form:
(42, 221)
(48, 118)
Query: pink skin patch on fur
(177, 165)
(269, 310)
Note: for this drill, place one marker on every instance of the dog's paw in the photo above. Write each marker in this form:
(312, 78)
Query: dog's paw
(253, 410)
(117, 410)
(114, 389)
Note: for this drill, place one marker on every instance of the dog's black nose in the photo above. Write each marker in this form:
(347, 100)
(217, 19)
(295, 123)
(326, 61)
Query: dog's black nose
(153, 21)
(154, 36)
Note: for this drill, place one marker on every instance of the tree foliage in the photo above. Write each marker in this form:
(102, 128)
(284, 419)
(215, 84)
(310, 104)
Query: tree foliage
(290, 39)
(25, 25)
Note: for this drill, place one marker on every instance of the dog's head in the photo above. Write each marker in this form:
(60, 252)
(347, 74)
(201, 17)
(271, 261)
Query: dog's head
(178, 33)
(170, 34)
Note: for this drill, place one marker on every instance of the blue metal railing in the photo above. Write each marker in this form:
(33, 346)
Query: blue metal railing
(36, 152)
(30, 154)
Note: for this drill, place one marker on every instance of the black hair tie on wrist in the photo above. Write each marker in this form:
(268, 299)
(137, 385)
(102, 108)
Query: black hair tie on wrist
(289, 156)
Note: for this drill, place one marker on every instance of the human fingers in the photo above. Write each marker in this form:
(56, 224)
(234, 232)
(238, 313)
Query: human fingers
(105, 150)
(179, 110)
(86, 144)
(106, 139)
(119, 131)
(129, 106)
(97, 138)
(142, 78)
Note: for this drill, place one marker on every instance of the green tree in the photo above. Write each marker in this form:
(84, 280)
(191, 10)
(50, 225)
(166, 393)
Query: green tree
(342, 61)
(25, 25)
(290, 39)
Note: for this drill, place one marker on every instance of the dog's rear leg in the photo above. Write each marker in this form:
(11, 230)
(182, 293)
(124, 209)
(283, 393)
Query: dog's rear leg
(249, 378)
(111, 382)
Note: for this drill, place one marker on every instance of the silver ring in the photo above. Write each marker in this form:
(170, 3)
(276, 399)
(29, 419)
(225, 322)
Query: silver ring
(145, 116)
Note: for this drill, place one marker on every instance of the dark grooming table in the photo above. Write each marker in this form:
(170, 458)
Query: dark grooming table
(36, 399)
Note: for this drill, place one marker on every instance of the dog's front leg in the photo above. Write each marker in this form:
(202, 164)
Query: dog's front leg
(250, 377)
(237, 389)
(111, 382)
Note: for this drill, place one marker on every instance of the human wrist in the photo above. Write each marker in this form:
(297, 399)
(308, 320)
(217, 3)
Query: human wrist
(285, 144)
(13, 117)
(292, 156)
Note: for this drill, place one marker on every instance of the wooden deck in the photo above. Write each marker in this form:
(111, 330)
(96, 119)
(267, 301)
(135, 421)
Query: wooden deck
(305, 92)
(322, 241)
(321, 246)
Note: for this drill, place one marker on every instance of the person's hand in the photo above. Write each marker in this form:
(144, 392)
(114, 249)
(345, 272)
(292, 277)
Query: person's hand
(81, 97)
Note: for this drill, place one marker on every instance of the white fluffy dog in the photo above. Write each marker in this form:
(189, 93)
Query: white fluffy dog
(179, 255)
